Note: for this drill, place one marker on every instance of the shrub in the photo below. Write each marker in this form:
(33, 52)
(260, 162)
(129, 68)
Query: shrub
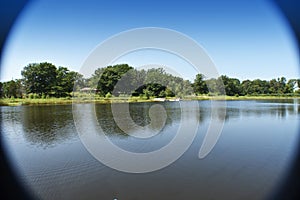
(30, 95)
(108, 95)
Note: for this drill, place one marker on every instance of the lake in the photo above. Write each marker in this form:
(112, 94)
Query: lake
(249, 161)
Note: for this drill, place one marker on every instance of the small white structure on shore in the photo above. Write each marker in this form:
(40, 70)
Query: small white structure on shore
(159, 99)
(177, 99)
(164, 99)
(88, 90)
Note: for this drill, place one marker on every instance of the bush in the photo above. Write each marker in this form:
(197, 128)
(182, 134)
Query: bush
(30, 95)
(169, 93)
(108, 95)
(162, 94)
(35, 96)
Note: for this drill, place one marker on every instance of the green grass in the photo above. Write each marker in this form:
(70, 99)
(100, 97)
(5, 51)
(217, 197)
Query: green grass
(27, 101)
(97, 99)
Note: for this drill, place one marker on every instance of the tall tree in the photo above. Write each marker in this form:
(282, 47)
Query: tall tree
(277, 86)
(39, 78)
(1, 89)
(65, 80)
(109, 78)
(246, 87)
(199, 85)
(291, 85)
(12, 89)
(94, 79)
(152, 90)
(232, 85)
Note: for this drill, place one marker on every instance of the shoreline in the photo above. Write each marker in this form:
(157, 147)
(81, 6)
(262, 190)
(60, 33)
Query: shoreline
(102, 100)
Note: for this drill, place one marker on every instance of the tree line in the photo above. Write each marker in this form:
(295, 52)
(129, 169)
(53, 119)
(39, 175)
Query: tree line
(42, 80)
(234, 87)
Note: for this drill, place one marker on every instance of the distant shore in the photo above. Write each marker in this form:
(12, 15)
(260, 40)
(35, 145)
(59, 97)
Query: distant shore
(68, 100)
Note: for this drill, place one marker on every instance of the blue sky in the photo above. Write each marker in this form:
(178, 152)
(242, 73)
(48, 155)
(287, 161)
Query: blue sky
(245, 39)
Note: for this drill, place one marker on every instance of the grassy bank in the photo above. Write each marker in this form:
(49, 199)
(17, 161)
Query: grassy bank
(57, 101)
(27, 101)
(265, 97)
(96, 99)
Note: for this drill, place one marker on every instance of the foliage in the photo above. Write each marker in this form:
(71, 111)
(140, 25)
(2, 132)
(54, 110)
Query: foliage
(109, 78)
(108, 95)
(45, 80)
(65, 81)
(151, 90)
(199, 85)
(11, 89)
(39, 78)
(231, 85)
(215, 86)
(124, 80)
(1, 90)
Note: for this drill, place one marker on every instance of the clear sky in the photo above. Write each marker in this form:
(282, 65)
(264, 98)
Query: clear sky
(245, 39)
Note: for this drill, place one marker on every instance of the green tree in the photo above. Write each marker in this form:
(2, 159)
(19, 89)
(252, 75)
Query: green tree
(79, 81)
(232, 85)
(12, 89)
(152, 90)
(255, 87)
(1, 89)
(169, 93)
(186, 88)
(278, 86)
(246, 87)
(65, 80)
(138, 78)
(199, 85)
(109, 78)
(94, 79)
(291, 85)
(39, 78)
(157, 75)
(214, 86)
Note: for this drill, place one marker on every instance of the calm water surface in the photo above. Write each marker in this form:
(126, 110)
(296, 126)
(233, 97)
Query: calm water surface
(249, 161)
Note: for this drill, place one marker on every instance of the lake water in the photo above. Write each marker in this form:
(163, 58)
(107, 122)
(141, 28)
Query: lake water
(249, 161)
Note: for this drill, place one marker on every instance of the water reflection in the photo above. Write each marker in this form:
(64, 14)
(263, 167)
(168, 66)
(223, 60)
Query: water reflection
(275, 108)
(139, 114)
(248, 161)
(47, 125)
